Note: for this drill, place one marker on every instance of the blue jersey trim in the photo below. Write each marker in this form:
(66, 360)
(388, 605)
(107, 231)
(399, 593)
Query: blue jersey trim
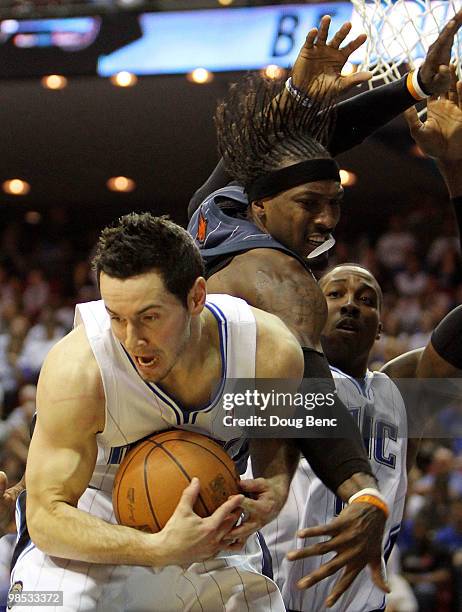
(155, 390)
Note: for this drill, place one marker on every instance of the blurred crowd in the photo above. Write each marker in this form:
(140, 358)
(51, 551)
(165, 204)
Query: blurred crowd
(417, 262)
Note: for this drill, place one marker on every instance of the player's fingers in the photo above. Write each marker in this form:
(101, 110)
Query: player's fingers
(412, 119)
(341, 586)
(3, 483)
(329, 568)
(323, 30)
(340, 36)
(452, 92)
(253, 485)
(348, 49)
(223, 511)
(355, 79)
(378, 575)
(321, 548)
(330, 529)
(189, 495)
(459, 93)
(440, 50)
(310, 38)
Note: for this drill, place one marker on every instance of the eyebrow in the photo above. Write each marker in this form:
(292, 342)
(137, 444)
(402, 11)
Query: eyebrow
(363, 285)
(139, 311)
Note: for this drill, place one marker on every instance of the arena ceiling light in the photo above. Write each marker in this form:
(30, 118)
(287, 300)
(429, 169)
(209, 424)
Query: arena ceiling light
(16, 186)
(273, 71)
(121, 184)
(54, 81)
(225, 2)
(124, 79)
(348, 178)
(200, 76)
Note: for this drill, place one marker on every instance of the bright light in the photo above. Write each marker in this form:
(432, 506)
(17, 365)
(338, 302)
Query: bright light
(347, 178)
(33, 217)
(225, 2)
(54, 81)
(200, 76)
(121, 183)
(273, 71)
(9, 26)
(348, 69)
(16, 187)
(124, 79)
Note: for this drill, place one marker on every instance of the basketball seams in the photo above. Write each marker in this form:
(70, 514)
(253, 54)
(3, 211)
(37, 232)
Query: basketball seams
(181, 468)
(146, 487)
(120, 473)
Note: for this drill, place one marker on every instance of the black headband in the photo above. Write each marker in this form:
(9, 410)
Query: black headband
(303, 172)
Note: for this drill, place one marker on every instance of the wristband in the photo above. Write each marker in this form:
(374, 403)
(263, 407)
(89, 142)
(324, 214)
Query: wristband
(414, 87)
(370, 496)
(301, 97)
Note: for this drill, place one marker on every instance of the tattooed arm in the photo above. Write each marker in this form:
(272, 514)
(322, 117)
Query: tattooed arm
(275, 282)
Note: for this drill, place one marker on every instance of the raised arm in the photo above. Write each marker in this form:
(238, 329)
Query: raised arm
(359, 116)
(62, 456)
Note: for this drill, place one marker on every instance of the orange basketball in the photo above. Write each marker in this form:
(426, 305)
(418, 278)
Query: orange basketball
(153, 475)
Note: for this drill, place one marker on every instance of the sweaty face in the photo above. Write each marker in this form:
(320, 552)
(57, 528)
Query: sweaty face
(302, 218)
(150, 322)
(353, 303)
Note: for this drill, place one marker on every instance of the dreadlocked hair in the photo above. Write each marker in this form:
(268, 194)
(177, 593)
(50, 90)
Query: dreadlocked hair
(259, 130)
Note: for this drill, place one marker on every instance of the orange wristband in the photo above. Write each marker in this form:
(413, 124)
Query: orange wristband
(413, 86)
(375, 501)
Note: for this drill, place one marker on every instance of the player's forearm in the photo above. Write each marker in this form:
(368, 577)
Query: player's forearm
(356, 483)
(360, 116)
(67, 532)
(276, 461)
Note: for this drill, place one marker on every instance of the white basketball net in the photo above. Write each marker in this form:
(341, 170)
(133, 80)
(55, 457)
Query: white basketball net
(401, 31)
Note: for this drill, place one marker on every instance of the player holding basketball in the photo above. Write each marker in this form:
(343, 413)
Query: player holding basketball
(262, 253)
(144, 359)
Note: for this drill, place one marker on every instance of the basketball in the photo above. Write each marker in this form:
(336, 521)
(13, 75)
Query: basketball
(153, 475)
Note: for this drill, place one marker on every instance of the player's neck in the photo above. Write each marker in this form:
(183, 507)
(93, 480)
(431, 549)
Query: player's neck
(354, 368)
(194, 376)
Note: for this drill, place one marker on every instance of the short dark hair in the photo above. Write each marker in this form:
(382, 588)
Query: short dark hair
(260, 131)
(139, 242)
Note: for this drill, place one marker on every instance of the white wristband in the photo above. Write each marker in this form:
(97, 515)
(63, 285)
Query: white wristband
(368, 491)
(301, 97)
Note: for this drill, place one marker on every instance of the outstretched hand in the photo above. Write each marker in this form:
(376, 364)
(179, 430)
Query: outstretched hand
(8, 498)
(319, 63)
(356, 536)
(435, 72)
(440, 135)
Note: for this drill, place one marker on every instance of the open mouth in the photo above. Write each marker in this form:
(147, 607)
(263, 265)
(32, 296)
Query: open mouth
(348, 325)
(315, 240)
(146, 361)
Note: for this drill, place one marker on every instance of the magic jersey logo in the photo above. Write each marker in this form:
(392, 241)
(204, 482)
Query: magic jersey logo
(201, 228)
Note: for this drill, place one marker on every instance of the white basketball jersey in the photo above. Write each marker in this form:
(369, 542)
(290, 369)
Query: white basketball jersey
(136, 408)
(381, 415)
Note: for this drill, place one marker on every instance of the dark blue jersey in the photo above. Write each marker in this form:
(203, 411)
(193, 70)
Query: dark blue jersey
(221, 230)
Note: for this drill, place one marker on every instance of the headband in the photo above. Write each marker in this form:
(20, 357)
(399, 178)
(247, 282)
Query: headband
(297, 174)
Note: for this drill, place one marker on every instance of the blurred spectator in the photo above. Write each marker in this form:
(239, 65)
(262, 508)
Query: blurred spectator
(413, 279)
(395, 244)
(39, 340)
(36, 292)
(427, 568)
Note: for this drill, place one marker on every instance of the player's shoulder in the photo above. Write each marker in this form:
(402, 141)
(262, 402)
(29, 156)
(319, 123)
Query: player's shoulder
(279, 354)
(270, 259)
(71, 364)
